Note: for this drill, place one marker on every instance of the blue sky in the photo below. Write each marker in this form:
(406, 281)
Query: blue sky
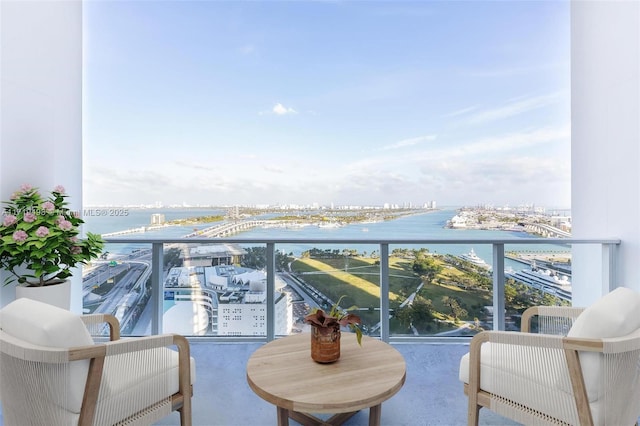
(344, 102)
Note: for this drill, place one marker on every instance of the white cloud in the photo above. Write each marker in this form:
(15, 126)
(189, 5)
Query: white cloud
(280, 109)
(514, 71)
(515, 108)
(409, 142)
(461, 111)
(194, 165)
(495, 169)
(490, 169)
(506, 143)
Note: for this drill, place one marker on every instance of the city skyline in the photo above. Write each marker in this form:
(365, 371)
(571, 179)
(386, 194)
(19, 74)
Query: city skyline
(350, 103)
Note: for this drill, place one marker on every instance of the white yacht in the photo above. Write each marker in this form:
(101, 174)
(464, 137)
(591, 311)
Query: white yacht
(475, 259)
(547, 280)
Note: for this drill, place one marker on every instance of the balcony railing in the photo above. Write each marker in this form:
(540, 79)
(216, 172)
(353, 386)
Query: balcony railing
(608, 248)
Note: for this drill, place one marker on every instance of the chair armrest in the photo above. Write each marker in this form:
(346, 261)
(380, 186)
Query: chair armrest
(567, 313)
(128, 345)
(110, 320)
(550, 341)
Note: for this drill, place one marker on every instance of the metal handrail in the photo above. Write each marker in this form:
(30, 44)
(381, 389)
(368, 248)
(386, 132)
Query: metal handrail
(608, 245)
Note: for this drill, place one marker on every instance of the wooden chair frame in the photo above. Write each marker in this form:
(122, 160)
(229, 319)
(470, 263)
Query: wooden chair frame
(180, 401)
(479, 398)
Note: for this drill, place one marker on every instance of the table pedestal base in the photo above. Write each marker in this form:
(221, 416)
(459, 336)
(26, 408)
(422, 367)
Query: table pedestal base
(336, 420)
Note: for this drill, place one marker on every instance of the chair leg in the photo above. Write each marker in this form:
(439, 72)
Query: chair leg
(473, 413)
(185, 415)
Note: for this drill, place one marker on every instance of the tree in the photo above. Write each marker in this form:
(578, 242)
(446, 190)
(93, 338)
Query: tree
(419, 314)
(403, 315)
(510, 293)
(172, 258)
(255, 258)
(422, 313)
(454, 303)
(427, 267)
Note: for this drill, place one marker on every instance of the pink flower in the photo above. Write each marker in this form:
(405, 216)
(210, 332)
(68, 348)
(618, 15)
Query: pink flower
(19, 236)
(76, 249)
(59, 219)
(73, 239)
(48, 206)
(25, 187)
(29, 217)
(9, 220)
(59, 189)
(42, 231)
(65, 225)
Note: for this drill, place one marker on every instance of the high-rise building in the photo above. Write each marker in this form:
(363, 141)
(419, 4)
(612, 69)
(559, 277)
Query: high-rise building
(157, 219)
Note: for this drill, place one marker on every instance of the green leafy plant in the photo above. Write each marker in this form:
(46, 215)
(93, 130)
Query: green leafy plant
(336, 318)
(39, 238)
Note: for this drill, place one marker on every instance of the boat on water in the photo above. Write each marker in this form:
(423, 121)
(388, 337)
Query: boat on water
(547, 280)
(472, 257)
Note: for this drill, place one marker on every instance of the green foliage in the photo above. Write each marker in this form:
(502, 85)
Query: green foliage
(425, 265)
(256, 258)
(454, 303)
(336, 317)
(172, 258)
(40, 234)
(419, 314)
(200, 219)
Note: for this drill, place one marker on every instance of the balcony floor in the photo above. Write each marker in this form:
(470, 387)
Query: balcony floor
(432, 394)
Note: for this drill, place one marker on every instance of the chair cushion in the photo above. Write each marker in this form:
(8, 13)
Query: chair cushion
(613, 315)
(616, 314)
(46, 325)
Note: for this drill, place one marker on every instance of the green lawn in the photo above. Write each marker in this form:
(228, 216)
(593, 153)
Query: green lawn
(361, 284)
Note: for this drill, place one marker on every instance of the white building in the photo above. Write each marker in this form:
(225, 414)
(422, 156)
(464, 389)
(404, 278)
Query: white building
(247, 316)
(223, 300)
(458, 221)
(157, 219)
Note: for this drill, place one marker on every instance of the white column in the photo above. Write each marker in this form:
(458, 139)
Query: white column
(41, 102)
(605, 153)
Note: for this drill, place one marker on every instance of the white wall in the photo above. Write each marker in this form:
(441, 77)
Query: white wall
(41, 102)
(605, 153)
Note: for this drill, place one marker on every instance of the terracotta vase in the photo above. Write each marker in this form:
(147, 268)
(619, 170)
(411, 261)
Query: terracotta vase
(57, 294)
(325, 344)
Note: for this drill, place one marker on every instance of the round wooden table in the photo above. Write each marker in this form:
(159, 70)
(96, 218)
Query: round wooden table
(283, 373)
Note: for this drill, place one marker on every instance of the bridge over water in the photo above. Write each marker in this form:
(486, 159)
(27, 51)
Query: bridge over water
(227, 229)
(547, 231)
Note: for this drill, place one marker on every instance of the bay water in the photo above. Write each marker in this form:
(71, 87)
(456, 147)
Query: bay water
(427, 225)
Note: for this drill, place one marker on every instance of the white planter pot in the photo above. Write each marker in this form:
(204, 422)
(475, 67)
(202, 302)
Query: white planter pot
(57, 295)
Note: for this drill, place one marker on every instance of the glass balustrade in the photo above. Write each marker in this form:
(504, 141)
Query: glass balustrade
(233, 289)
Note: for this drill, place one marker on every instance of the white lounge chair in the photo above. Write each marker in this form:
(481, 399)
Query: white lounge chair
(52, 372)
(582, 367)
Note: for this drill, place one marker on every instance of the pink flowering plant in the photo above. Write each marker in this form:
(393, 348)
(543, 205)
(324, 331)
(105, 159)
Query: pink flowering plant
(39, 241)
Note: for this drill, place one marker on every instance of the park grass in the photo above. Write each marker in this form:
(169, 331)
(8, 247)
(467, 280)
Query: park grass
(334, 282)
(361, 283)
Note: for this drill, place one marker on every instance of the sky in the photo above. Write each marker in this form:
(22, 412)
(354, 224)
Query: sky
(343, 102)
